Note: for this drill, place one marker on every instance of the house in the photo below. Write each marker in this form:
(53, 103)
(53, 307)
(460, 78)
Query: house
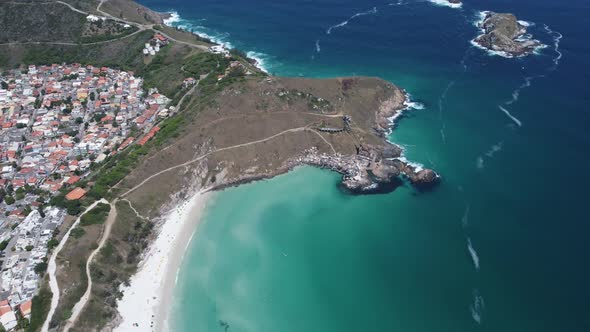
(189, 82)
(76, 194)
(25, 309)
(7, 316)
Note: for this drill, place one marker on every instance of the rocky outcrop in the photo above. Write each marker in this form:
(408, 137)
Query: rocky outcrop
(456, 2)
(504, 33)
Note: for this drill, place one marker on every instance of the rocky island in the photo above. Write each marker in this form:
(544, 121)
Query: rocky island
(503, 33)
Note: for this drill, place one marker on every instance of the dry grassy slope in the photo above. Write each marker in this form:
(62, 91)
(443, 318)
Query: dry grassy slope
(251, 111)
(132, 11)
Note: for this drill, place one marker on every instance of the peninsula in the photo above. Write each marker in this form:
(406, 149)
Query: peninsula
(113, 120)
(503, 33)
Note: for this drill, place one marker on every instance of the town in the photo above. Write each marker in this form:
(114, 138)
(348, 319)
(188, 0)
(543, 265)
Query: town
(59, 122)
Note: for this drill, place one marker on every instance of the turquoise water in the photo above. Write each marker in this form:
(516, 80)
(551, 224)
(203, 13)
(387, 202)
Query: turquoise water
(500, 245)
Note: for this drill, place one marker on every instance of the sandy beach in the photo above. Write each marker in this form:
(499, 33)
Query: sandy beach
(145, 303)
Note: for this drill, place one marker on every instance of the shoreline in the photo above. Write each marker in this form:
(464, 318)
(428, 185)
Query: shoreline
(148, 298)
(169, 18)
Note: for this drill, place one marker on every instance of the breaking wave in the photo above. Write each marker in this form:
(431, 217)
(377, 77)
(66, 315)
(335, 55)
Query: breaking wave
(445, 3)
(174, 17)
(341, 24)
(512, 117)
(219, 38)
(416, 165)
(261, 60)
(473, 254)
(477, 307)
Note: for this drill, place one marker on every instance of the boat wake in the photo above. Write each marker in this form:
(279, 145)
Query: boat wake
(512, 117)
(556, 40)
(477, 307)
(341, 24)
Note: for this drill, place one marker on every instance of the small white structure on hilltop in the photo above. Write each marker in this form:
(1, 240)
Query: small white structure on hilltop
(219, 49)
(94, 18)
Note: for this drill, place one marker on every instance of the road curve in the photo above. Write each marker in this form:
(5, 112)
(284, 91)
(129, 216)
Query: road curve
(84, 299)
(52, 267)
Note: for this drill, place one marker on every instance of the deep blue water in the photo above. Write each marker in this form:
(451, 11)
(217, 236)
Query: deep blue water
(516, 193)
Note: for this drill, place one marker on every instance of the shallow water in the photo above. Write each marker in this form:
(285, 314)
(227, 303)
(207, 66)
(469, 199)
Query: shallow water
(500, 245)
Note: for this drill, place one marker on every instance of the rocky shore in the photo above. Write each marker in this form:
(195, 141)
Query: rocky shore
(505, 34)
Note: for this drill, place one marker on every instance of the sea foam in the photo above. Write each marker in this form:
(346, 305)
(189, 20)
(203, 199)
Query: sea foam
(477, 307)
(341, 24)
(473, 254)
(556, 40)
(446, 3)
(512, 117)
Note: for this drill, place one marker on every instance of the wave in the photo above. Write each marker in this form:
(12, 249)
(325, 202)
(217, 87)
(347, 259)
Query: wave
(512, 117)
(477, 307)
(174, 17)
(418, 167)
(479, 162)
(465, 217)
(261, 60)
(445, 3)
(516, 93)
(473, 254)
(556, 40)
(317, 46)
(219, 38)
(341, 24)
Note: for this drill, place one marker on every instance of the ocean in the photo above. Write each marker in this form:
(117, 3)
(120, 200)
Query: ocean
(500, 245)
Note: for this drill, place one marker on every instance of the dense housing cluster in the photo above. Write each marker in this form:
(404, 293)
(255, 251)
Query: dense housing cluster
(59, 122)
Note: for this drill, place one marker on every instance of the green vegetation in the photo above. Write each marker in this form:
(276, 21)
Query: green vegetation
(77, 232)
(40, 309)
(4, 244)
(97, 215)
(114, 266)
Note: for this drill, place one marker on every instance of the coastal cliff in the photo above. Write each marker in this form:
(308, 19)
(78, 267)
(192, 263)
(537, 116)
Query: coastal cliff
(504, 33)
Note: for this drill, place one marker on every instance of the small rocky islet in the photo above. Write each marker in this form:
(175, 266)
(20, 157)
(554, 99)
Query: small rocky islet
(502, 32)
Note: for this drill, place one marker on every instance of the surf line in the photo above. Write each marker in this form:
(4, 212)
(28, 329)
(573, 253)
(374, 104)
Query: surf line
(341, 24)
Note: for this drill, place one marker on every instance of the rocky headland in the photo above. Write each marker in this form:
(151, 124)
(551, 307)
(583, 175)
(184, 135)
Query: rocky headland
(505, 34)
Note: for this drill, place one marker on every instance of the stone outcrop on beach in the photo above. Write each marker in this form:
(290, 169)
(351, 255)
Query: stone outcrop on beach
(503, 33)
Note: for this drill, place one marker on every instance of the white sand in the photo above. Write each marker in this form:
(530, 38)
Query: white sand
(147, 300)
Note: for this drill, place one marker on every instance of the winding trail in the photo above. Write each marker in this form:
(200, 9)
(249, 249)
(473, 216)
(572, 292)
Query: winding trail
(52, 267)
(105, 235)
(210, 153)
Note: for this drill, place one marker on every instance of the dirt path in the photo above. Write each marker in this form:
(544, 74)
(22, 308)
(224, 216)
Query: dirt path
(84, 299)
(52, 267)
(210, 153)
